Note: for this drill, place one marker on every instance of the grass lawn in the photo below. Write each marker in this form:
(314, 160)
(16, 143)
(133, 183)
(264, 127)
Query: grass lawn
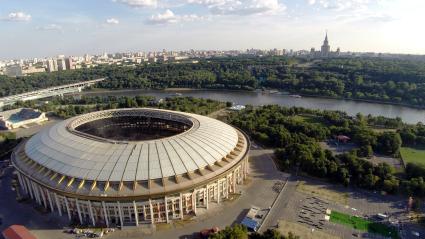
(381, 129)
(363, 224)
(411, 155)
(309, 119)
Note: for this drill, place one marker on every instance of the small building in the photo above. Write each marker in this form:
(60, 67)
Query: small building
(17, 232)
(342, 138)
(253, 219)
(251, 224)
(16, 118)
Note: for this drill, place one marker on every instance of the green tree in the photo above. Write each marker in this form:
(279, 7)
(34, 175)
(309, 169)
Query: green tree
(236, 232)
(388, 143)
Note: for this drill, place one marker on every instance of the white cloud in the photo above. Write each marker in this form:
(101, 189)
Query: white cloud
(366, 17)
(112, 21)
(357, 11)
(18, 17)
(207, 2)
(238, 7)
(139, 3)
(340, 5)
(169, 17)
(50, 27)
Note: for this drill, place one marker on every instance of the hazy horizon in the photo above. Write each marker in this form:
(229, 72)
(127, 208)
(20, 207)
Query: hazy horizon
(48, 28)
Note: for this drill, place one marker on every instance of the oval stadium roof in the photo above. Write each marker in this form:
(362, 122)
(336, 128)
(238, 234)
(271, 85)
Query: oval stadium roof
(69, 153)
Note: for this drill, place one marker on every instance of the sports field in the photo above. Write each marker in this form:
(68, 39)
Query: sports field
(411, 155)
(363, 224)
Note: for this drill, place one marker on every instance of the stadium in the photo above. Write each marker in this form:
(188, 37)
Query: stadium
(126, 167)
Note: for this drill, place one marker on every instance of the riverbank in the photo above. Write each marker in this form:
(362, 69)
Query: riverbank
(174, 89)
(104, 91)
(408, 114)
(367, 101)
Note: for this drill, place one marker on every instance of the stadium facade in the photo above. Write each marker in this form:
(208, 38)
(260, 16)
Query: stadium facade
(132, 166)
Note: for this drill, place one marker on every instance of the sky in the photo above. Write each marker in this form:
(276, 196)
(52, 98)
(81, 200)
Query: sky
(40, 28)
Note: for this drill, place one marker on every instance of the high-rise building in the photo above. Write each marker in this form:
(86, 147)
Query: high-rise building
(52, 65)
(87, 58)
(326, 48)
(61, 64)
(69, 63)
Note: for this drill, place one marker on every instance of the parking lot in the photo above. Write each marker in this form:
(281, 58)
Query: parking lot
(312, 212)
(308, 209)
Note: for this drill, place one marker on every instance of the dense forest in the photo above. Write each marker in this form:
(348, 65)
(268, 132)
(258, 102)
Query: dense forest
(413, 135)
(297, 132)
(387, 80)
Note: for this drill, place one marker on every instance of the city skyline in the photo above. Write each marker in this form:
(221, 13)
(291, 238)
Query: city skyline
(48, 28)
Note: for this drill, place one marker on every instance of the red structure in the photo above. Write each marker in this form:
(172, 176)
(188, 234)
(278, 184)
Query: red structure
(342, 138)
(206, 233)
(17, 232)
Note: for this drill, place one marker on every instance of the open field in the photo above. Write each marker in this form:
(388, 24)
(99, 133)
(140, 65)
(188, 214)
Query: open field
(363, 224)
(321, 192)
(309, 119)
(302, 231)
(382, 130)
(411, 155)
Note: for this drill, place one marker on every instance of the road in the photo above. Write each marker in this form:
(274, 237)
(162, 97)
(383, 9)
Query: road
(282, 201)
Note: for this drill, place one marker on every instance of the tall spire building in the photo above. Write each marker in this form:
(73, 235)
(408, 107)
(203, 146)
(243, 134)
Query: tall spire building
(325, 50)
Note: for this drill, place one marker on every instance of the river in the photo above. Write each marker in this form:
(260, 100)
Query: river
(407, 114)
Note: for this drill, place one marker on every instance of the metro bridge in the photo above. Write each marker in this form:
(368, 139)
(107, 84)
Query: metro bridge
(48, 92)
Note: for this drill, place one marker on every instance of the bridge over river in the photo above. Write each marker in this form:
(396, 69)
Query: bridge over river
(48, 92)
